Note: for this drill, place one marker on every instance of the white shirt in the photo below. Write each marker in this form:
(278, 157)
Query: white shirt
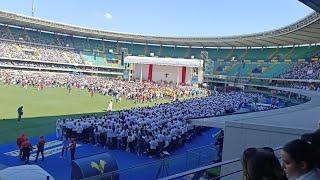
(110, 106)
(153, 144)
(311, 175)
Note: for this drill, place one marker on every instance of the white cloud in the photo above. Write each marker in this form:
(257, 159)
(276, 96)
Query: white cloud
(108, 16)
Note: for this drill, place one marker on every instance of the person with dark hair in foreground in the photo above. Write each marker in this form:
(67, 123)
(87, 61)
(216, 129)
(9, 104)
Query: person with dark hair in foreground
(299, 160)
(314, 139)
(261, 164)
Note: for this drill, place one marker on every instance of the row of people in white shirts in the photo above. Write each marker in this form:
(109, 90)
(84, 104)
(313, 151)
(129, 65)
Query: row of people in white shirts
(174, 114)
(119, 132)
(78, 127)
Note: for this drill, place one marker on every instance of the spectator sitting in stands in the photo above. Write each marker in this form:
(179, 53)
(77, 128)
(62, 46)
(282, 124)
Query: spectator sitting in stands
(303, 71)
(299, 160)
(314, 140)
(261, 164)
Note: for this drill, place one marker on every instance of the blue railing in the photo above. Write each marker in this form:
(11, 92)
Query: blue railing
(192, 159)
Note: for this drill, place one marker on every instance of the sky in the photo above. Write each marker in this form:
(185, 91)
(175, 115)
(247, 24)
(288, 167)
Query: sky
(167, 17)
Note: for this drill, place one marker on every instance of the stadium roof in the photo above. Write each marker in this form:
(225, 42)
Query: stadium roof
(304, 31)
(314, 4)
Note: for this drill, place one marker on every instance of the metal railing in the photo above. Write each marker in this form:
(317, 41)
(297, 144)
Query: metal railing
(215, 165)
(194, 158)
(193, 171)
(163, 170)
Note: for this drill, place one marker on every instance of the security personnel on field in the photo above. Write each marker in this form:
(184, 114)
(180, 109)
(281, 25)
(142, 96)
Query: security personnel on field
(72, 148)
(40, 147)
(26, 149)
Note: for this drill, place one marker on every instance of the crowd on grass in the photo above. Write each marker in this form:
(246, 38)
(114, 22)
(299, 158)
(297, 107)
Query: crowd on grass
(138, 91)
(153, 130)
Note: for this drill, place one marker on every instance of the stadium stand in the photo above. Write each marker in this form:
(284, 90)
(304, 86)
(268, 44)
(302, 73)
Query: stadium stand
(36, 45)
(154, 49)
(52, 46)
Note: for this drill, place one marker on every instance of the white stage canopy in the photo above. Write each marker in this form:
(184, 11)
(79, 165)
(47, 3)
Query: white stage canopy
(164, 61)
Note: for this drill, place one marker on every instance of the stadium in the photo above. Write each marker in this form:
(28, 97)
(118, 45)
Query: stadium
(108, 105)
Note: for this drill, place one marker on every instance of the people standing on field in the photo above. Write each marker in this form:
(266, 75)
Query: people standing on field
(72, 147)
(69, 88)
(20, 113)
(118, 98)
(26, 149)
(40, 148)
(138, 91)
(65, 146)
(110, 105)
(20, 140)
(91, 90)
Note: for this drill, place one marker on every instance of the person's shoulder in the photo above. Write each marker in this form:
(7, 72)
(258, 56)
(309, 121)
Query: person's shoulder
(313, 175)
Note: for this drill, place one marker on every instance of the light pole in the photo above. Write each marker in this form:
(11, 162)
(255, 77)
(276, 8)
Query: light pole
(32, 13)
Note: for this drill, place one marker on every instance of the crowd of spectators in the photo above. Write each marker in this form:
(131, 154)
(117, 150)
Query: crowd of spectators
(32, 64)
(48, 66)
(153, 130)
(38, 65)
(15, 34)
(298, 85)
(41, 53)
(303, 71)
(305, 86)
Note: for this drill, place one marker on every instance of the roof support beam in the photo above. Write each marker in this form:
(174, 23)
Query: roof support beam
(287, 42)
(275, 43)
(298, 36)
(293, 40)
(305, 35)
(254, 42)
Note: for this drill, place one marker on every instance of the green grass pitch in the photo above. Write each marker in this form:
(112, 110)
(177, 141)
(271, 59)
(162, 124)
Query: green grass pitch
(42, 108)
